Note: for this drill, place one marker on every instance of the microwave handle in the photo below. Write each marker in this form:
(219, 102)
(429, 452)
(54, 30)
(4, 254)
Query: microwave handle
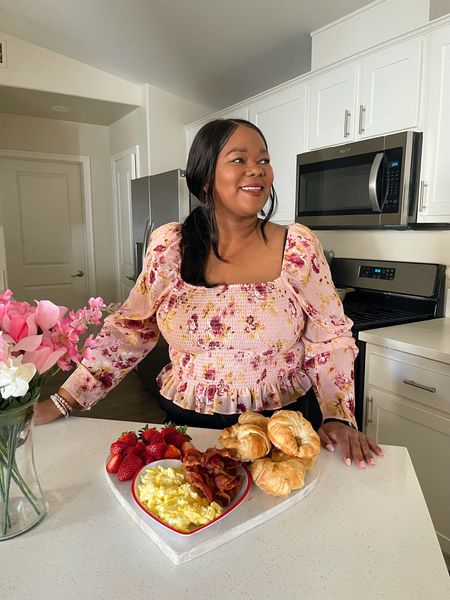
(373, 198)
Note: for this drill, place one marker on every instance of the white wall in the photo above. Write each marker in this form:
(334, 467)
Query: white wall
(129, 131)
(36, 68)
(373, 24)
(64, 137)
(167, 116)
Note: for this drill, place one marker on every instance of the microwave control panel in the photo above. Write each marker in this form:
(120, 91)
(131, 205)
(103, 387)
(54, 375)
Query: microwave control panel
(376, 272)
(392, 180)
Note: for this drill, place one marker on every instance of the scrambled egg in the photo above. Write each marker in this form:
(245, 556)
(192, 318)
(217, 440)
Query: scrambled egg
(167, 494)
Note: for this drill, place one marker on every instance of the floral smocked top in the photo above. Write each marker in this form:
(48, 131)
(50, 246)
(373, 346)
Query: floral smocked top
(235, 347)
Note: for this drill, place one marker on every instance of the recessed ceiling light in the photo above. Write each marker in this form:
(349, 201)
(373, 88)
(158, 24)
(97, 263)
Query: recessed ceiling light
(61, 108)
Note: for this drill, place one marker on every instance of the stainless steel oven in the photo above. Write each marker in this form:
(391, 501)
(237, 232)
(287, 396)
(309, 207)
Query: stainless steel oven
(372, 183)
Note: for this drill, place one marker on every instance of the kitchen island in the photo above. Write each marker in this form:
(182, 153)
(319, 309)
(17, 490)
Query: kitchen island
(359, 534)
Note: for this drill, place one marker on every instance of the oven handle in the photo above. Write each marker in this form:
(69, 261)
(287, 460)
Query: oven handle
(373, 198)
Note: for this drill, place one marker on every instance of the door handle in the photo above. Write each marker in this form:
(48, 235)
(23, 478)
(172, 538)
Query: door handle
(131, 278)
(78, 274)
(423, 186)
(346, 123)
(362, 114)
(369, 407)
(420, 386)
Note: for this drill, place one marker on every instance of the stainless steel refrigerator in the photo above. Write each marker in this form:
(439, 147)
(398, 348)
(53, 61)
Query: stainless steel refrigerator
(156, 200)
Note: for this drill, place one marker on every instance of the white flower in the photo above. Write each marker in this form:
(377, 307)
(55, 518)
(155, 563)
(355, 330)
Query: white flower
(15, 377)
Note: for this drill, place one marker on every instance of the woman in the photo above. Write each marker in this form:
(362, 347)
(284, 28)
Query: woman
(248, 307)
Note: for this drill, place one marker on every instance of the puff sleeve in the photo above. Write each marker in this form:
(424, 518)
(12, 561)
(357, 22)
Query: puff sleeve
(330, 350)
(131, 332)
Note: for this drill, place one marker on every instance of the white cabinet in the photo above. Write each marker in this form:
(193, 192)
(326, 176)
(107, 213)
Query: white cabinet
(332, 98)
(374, 96)
(389, 90)
(434, 204)
(281, 118)
(408, 404)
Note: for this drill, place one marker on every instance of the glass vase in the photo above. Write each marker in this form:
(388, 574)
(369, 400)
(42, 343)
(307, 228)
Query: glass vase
(22, 503)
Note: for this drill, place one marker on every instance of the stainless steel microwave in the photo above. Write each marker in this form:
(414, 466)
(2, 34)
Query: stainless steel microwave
(372, 183)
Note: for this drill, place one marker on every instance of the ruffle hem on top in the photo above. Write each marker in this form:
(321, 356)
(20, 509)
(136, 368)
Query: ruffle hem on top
(219, 397)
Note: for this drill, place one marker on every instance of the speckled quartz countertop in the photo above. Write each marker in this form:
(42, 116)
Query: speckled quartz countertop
(430, 339)
(359, 534)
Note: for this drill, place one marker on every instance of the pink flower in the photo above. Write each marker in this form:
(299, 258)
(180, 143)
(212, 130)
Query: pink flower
(47, 335)
(47, 314)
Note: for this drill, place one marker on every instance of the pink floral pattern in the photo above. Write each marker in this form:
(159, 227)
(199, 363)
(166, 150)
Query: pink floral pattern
(234, 347)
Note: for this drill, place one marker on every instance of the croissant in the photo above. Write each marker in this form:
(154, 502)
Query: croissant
(249, 441)
(289, 431)
(278, 474)
(254, 418)
(308, 463)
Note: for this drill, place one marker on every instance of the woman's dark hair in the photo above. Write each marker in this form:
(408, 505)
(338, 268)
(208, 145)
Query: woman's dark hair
(199, 231)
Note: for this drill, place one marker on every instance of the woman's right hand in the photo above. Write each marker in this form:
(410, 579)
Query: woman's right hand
(46, 412)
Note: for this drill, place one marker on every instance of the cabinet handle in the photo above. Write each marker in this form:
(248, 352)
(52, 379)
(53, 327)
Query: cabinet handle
(346, 123)
(423, 186)
(369, 407)
(362, 115)
(420, 385)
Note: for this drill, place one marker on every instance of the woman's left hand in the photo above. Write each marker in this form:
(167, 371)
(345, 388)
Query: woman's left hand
(353, 444)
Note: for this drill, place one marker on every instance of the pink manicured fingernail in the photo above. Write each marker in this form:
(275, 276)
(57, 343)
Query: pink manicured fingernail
(362, 464)
(348, 462)
(330, 447)
(372, 461)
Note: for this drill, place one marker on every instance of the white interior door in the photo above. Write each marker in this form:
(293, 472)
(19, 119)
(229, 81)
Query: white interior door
(123, 170)
(44, 228)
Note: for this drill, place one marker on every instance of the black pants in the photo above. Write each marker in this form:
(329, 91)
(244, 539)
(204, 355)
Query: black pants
(307, 405)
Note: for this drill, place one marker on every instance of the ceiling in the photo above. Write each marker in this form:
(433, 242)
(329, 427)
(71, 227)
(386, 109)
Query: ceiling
(212, 52)
(37, 103)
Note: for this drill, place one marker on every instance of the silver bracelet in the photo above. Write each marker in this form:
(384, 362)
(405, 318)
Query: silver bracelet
(62, 405)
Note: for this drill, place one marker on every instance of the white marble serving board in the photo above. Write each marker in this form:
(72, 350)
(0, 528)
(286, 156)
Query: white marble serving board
(257, 508)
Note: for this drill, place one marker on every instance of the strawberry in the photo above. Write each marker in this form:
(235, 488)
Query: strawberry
(129, 438)
(176, 439)
(113, 464)
(151, 436)
(172, 452)
(156, 450)
(117, 448)
(129, 467)
(137, 449)
(167, 431)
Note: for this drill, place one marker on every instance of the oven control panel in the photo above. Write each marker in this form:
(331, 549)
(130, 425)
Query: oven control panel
(374, 272)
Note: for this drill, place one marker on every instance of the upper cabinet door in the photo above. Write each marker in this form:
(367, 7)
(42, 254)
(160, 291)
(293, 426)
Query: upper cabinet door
(390, 90)
(281, 118)
(434, 201)
(332, 98)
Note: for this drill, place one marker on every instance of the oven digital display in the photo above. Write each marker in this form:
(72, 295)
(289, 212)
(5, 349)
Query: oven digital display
(376, 272)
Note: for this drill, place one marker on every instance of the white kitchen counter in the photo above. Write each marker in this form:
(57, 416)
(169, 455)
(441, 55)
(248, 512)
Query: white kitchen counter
(359, 534)
(430, 339)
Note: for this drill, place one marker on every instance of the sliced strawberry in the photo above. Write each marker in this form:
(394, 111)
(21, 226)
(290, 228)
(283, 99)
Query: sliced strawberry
(156, 450)
(129, 438)
(113, 464)
(129, 467)
(117, 447)
(151, 436)
(172, 452)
